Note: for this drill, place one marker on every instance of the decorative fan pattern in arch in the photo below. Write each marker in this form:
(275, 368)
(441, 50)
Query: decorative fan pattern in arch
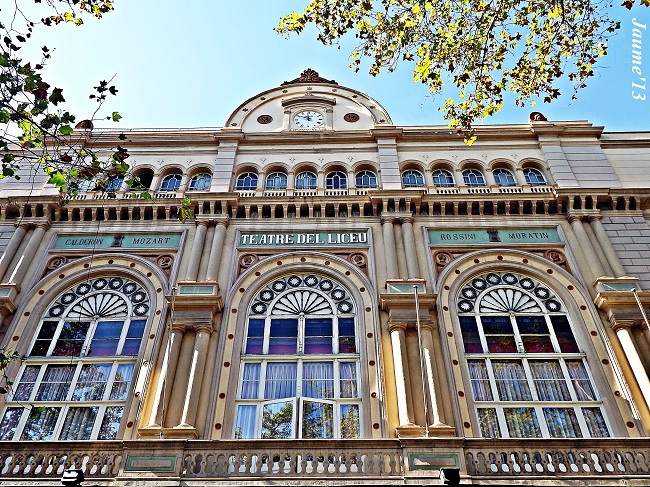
(510, 293)
(298, 294)
(101, 298)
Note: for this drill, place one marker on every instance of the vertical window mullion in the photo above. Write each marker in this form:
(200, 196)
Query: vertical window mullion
(299, 363)
(337, 379)
(122, 339)
(556, 344)
(501, 419)
(267, 335)
(262, 385)
(541, 419)
(335, 335)
(300, 346)
(75, 379)
(519, 342)
(493, 381)
(101, 411)
(55, 336)
(568, 381)
(582, 422)
(481, 334)
(529, 379)
(111, 379)
(63, 412)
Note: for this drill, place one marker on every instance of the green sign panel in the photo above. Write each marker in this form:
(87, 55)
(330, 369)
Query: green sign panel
(494, 236)
(279, 239)
(118, 241)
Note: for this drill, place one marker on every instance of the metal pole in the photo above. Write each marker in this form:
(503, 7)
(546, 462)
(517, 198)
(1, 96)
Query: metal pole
(421, 355)
(638, 301)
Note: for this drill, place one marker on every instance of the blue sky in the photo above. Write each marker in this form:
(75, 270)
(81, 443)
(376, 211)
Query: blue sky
(189, 64)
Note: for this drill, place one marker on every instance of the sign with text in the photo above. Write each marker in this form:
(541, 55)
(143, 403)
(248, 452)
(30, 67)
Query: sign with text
(275, 239)
(501, 236)
(143, 241)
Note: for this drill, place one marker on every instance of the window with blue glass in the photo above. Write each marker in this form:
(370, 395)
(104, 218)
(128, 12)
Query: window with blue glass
(473, 178)
(276, 181)
(336, 180)
(171, 182)
(246, 182)
(443, 178)
(306, 180)
(366, 179)
(77, 374)
(200, 182)
(503, 177)
(114, 184)
(412, 179)
(299, 375)
(534, 176)
(528, 375)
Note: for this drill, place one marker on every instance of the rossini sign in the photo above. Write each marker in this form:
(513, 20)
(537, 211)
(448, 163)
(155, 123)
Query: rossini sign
(497, 235)
(310, 239)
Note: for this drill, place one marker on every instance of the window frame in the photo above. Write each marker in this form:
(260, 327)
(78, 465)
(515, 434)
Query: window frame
(510, 179)
(539, 176)
(171, 182)
(310, 176)
(200, 182)
(413, 175)
(478, 180)
(240, 183)
(276, 181)
(450, 183)
(366, 179)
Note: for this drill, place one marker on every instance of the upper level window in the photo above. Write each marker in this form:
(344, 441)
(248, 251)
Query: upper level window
(336, 180)
(171, 182)
(299, 375)
(503, 177)
(366, 179)
(473, 178)
(306, 180)
(200, 182)
(529, 377)
(534, 177)
(246, 182)
(276, 181)
(114, 184)
(443, 178)
(412, 179)
(143, 179)
(76, 377)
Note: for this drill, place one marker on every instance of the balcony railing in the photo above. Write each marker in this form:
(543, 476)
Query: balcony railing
(600, 461)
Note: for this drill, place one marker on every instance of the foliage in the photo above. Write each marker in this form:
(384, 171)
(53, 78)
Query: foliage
(6, 357)
(483, 47)
(35, 129)
(277, 421)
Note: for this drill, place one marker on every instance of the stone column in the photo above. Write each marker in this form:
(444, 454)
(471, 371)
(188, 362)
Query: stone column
(12, 248)
(390, 251)
(602, 258)
(197, 249)
(398, 345)
(179, 387)
(214, 261)
(436, 412)
(29, 253)
(164, 384)
(606, 245)
(585, 245)
(412, 266)
(195, 376)
(624, 334)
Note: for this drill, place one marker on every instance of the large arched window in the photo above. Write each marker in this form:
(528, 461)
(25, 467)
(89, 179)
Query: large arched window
(299, 375)
(306, 180)
(200, 182)
(528, 375)
(412, 179)
(336, 180)
(246, 182)
(534, 177)
(77, 374)
(276, 181)
(366, 179)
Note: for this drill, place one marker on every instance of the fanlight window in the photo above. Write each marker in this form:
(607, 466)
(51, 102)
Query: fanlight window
(276, 181)
(77, 375)
(366, 179)
(299, 375)
(528, 375)
(171, 182)
(336, 180)
(200, 182)
(306, 180)
(473, 178)
(503, 177)
(246, 182)
(443, 179)
(412, 179)
(534, 177)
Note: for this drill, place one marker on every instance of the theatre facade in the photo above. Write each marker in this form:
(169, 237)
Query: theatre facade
(351, 302)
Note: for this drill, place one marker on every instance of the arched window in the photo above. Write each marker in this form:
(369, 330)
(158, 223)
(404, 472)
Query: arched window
(171, 182)
(534, 177)
(276, 181)
(142, 180)
(443, 179)
(114, 184)
(503, 177)
(529, 377)
(76, 377)
(306, 180)
(200, 182)
(299, 375)
(246, 182)
(336, 180)
(366, 179)
(84, 185)
(412, 179)
(473, 178)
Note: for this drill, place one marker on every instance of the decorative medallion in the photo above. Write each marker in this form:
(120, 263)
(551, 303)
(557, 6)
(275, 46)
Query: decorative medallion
(165, 261)
(56, 262)
(358, 259)
(248, 260)
(443, 258)
(351, 117)
(555, 256)
(309, 76)
(264, 119)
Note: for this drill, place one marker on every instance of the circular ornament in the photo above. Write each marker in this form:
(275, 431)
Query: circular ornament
(344, 307)
(553, 305)
(443, 258)
(130, 287)
(465, 306)
(100, 284)
(479, 283)
(267, 295)
(138, 297)
(264, 119)
(115, 283)
(294, 281)
(542, 293)
(56, 310)
(56, 262)
(493, 279)
(279, 286)
(509, 279)
(358, 259)
(83, 289)
(338, 294)
(164, 261)
(326, 285)
(311, 281)
(469, 293)
(68, 298)
(351, 117)
(141, 309)
(527, 283)
(248, 260)
(259, 308)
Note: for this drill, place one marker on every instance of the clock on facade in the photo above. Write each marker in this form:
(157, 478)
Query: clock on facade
(308, 119)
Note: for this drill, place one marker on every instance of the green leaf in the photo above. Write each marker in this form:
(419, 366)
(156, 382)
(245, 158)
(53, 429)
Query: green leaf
(56, 97)
(116, 117)
(65, 130)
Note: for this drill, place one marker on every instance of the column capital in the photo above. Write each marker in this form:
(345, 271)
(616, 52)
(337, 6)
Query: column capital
(202, 327)
(594, 217)
(573, 217)
(178, 328)
(622, 324)
(396, 326)
(389, 219)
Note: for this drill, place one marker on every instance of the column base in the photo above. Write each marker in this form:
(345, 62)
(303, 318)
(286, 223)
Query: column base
(441, 429)
(410, 430)
(151, 431)
(181, 431)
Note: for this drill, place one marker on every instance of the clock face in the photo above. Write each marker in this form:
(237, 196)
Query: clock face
(308, 119)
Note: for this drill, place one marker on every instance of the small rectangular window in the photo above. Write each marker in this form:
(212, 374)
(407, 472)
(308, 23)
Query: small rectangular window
(350, 424)
(250, 381)
(44, 339)
(480, 380)
(522, 423)
(318, 379)
(564, 334)
(499, 334)
(110, 423)
(471, 338)
(56, 383)
(283, 337)
(487, 419)
(25, 387)
(246, 419)
(535, 334)
(595, 422)
(40, 424)
(511, 380)
(348, 377)
(91, 383)
(562, 423)
(580, 380)
(549, 380)
(347, 336)
(133, 337)
(317, 419)
(280, 380)
(78, 424)
(9, 423)
(255, 338)
(122, 381)
(105, 339)
(318, 336)
(277, 420)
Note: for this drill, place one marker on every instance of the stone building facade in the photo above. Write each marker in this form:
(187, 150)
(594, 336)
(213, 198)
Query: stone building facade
(353, 301)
